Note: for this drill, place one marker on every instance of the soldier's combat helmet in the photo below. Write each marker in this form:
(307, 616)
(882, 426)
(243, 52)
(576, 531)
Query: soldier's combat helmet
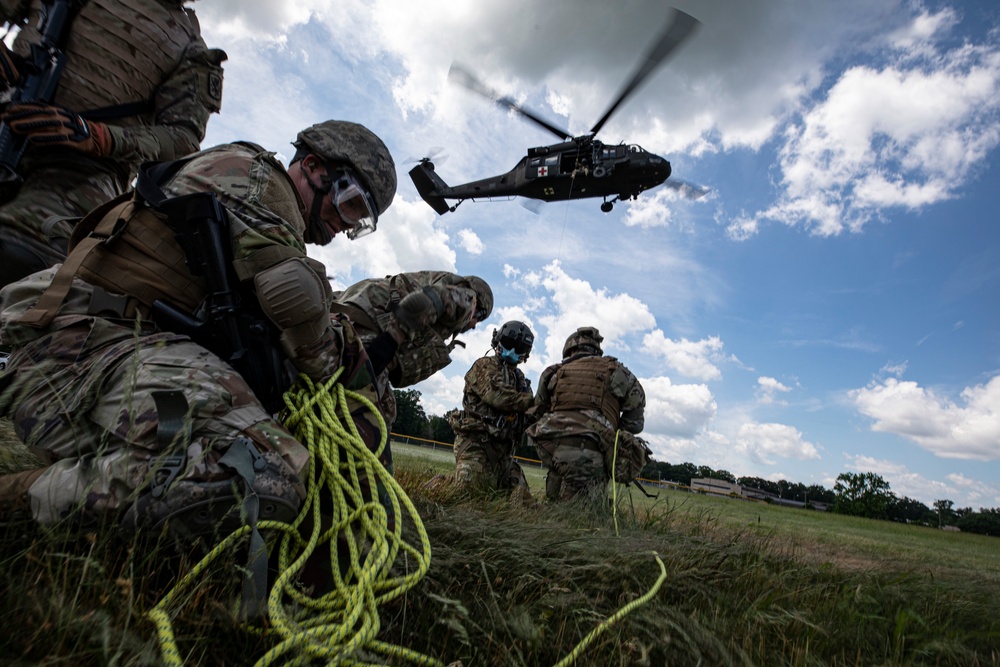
(484, 296)
(584, 339)
(344, 142)
(513, 341)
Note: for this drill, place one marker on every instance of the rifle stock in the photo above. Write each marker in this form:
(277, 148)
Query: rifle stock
(231, 326)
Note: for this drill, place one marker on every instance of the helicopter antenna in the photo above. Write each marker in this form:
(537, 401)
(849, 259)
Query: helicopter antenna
(464, 78)
(679, 28)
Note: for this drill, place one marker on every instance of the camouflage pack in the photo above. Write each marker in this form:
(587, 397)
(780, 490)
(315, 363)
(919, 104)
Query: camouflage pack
(633, 455)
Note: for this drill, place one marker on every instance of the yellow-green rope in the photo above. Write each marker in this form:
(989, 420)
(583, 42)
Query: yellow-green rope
(336, 625)
(617, 616)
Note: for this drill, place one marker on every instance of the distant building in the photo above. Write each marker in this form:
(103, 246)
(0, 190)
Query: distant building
(708, 485)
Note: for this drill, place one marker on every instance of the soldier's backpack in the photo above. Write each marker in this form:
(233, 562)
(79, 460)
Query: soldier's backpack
(633, 455)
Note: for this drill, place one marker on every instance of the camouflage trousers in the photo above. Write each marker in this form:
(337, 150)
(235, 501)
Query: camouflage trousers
(576, 469)
(33, 229)
(82, 397)
(484, 462)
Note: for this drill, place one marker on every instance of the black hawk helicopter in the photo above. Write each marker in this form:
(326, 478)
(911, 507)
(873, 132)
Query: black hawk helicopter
(577, 168)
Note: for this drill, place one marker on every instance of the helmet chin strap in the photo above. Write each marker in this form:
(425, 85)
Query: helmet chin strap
(317, 231)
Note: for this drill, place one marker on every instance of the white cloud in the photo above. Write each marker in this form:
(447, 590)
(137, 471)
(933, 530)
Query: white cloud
(767, 388)
(695, 359)
(763, 442)
(471, 242)
(677, 411)
(906, 134)
(575, 303)
(904, 482)
(970, 430)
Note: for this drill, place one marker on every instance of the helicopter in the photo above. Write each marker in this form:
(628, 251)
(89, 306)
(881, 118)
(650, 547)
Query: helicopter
(579, 166)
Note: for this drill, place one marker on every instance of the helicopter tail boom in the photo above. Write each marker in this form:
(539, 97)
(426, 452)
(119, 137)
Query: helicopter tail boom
(428, 184)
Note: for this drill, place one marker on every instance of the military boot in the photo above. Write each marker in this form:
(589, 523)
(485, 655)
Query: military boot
(14, 491)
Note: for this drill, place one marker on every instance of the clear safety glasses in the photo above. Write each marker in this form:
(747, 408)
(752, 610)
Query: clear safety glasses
(353, 203)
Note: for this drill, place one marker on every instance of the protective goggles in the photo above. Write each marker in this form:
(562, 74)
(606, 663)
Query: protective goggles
(353, 203)
(518, 344)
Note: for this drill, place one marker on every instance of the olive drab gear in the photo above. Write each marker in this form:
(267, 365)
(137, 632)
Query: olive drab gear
(584, 337)
(632, 456)
(372, 303)
(585, 385)
(141, 70)
(127, 248)
(343, 142)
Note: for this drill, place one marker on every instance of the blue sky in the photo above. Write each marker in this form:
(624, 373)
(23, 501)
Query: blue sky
(830, 306)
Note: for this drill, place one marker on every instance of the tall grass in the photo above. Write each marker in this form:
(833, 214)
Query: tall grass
(520, 587)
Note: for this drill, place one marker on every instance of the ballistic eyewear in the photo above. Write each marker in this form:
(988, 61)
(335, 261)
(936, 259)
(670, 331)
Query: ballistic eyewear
(353, 203)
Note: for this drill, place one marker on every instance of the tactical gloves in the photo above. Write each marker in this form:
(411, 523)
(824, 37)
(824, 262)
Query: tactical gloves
(51, 125)
(417, 310)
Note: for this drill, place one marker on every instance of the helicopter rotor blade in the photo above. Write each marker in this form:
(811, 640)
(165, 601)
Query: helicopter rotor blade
(464, 78)
(686, 189)
(680, 27)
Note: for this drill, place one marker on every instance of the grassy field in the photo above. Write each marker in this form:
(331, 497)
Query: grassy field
(742, 584)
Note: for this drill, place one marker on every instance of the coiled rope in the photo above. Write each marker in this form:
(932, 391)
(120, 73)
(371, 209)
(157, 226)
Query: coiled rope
(339, 626)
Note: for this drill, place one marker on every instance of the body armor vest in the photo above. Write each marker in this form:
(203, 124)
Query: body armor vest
(585, 384)
(118, 52)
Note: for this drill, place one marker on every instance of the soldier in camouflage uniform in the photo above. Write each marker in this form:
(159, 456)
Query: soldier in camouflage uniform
(584, 405)
(139, 84)
(85, 382)
(491, 423)
(462, 302)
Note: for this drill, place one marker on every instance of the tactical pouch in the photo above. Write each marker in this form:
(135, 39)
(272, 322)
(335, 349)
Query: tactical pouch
(633, 455)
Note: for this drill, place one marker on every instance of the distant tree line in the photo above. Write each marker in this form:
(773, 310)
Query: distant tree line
(857, 494)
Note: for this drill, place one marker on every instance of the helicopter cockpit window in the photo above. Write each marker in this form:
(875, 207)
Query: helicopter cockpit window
(609, 152)
(635, 148)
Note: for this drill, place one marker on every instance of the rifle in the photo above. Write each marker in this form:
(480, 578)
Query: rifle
(39, 80)
(231, 326)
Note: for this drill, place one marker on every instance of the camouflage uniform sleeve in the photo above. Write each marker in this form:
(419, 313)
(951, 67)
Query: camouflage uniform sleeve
(266, 224)
(182, 106)
(543, 399)
(627, 387)
(459, 304)
(497, 386)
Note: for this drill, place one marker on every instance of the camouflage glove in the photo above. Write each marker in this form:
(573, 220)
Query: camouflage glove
(9, 74)
(418, 310)
(51, 125)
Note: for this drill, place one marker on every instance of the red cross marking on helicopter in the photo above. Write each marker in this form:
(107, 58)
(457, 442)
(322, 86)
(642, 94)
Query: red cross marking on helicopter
(543, 171)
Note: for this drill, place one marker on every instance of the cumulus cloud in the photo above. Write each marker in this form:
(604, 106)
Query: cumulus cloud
(695, 359)
(905, 134)
(677, 410)
(764, 442)
(470, 242)
(969, 429)
(768, 388)
(576, 303)
(963, 491)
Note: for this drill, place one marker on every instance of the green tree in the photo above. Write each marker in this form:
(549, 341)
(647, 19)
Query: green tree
(984, 522)
(863, 494)
(441, 430)
(944, 512)
(908, 510)
(410, 416)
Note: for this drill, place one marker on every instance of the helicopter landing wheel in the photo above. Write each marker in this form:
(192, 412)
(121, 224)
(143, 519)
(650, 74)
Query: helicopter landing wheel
(607, 206)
